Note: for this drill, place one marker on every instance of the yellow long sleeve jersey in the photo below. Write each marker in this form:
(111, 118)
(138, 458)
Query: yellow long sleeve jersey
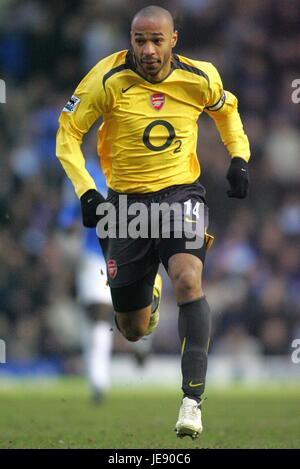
(148, 137)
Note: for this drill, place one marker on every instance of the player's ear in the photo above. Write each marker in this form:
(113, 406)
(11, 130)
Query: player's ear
(174, 39)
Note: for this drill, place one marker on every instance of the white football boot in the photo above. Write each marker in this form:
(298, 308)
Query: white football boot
(189, 420)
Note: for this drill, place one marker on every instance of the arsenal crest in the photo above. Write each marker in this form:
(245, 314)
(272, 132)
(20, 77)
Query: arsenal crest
(157, 101)
(112, 268)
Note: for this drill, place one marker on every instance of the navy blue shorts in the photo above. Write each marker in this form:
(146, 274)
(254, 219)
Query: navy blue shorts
(132, 264)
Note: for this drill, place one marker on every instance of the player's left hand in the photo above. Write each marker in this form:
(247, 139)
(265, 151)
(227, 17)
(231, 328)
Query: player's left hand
(238, 178)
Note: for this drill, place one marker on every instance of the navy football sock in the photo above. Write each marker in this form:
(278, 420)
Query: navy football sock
(194, 332)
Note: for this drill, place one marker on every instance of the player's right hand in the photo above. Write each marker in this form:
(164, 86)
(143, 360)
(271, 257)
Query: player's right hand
(89, 203)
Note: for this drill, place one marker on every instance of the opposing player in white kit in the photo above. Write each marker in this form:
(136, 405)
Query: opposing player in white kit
(94, 296)
(92, 291)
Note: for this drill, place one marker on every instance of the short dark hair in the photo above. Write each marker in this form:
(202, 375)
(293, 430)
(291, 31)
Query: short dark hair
(154, 10)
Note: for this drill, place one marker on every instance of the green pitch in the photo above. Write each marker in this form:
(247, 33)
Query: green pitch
(59, 415)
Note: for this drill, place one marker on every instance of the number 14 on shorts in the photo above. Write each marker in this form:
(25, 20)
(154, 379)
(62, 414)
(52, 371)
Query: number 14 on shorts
(191, 210)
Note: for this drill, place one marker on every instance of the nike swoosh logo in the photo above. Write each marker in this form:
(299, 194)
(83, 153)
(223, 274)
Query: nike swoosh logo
(189, 220)
(126, 89)
(191, 385)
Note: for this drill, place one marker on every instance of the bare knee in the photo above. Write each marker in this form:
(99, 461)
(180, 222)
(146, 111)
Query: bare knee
(133, 326)
(187, 284)
(132, 334)
(185, 273)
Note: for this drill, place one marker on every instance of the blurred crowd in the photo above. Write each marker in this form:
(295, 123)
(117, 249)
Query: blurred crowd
(252, 273)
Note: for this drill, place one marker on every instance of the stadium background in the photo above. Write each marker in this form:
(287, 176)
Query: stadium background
(252, 275)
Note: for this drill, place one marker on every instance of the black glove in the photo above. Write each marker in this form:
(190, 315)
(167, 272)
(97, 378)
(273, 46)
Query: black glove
(89, 203)
(238, 178)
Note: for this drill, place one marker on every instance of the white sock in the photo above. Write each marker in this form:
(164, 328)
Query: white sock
(98, 355)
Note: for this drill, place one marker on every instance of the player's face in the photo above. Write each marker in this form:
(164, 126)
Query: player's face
(152, 41)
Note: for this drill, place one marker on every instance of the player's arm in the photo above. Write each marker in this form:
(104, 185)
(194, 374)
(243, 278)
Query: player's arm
(79, 114)
(222, 107)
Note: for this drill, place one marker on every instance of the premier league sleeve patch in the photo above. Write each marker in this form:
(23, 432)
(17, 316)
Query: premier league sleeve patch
(71, 104)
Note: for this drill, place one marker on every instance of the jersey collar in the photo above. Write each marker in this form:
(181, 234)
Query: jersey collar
(131, 64)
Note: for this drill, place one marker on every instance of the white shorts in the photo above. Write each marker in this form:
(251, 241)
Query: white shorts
(91, 283)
